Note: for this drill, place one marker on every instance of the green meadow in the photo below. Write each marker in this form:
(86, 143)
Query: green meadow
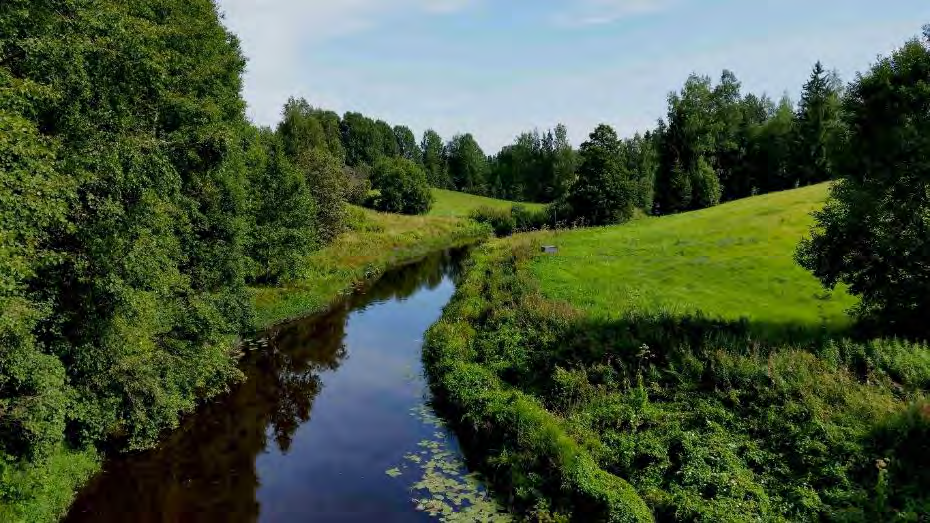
(452, 203)
(732, 261)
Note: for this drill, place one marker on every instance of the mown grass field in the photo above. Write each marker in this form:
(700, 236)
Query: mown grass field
(451, 203)
(376, 242)
(731, 261)
(619, 380)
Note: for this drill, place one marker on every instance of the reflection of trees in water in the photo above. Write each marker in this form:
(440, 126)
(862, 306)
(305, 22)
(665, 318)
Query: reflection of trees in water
(404, 282)
(205, 471)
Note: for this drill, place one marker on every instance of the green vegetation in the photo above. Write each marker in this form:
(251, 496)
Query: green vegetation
(144, 223)
(375, 243)
(731, 261)
(585, 390)
(43, 491)
(873, 234)
(402, 187)
(137, 206)
(451, 203)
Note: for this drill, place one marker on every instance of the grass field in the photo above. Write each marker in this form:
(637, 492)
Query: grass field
(376, 242)
(732, 261)
(451, 203)
(588, 391)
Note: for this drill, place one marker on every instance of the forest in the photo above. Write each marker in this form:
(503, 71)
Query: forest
(138, 205)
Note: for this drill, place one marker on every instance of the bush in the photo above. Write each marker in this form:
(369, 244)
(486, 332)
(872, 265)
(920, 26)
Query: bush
(402, 186)
(526, 220)
(359, 184)
(500, 220)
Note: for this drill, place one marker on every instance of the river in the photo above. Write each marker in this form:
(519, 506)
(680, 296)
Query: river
(332, 424)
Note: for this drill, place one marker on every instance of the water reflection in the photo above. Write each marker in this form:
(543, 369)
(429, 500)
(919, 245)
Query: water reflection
(244, 447)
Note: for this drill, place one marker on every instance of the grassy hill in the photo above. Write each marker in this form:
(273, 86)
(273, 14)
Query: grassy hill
(451, 203)
(734, 260)
(589, 390)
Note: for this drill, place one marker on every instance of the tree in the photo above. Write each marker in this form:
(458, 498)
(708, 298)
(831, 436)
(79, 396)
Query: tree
(332, 129)
(640, 157)
(769, 155)
(299, 129)
(387, 141)
(329, 185)
(563, 166)
(690, 134)
(361, 138)
(705, 184)
(282, 214)
(873, 234)
(407, 144)
(33, 203)
(403, 187)
(817, 128)
(603, 193)
(137, 276)
(468, 165)
(434, 160)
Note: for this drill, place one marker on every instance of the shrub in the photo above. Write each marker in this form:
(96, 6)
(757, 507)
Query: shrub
(501, 220)
(526, 220)
(402, 186)
(359, 184)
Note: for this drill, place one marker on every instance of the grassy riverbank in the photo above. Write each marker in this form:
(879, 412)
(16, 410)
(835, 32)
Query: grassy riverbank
(376, 242)
(648, 372)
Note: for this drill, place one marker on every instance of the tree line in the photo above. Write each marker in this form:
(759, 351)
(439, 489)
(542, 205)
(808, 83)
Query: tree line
(716, 144)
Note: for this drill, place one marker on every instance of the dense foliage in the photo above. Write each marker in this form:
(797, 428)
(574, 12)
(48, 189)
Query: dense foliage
(137, 203)
(402, 187)
(874, 234)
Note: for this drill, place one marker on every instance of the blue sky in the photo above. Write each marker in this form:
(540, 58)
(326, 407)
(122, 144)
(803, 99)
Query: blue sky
(498, 67)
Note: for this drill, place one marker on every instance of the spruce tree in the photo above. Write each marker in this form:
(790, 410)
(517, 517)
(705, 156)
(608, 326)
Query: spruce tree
(817, 128)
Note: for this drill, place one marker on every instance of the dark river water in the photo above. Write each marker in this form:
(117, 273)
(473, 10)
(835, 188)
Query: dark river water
(332, 424)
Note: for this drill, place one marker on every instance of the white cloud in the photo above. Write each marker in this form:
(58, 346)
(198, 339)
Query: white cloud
(598, 12)
(277, 34)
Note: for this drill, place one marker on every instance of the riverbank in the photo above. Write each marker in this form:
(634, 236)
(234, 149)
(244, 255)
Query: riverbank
(585, 394)
(376, 243)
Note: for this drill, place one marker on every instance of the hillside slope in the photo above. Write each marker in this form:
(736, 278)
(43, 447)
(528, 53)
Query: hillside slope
(732, 261)
(452, 203)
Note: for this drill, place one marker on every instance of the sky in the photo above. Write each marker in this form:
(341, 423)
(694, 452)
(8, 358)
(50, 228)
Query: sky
(496, 68)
